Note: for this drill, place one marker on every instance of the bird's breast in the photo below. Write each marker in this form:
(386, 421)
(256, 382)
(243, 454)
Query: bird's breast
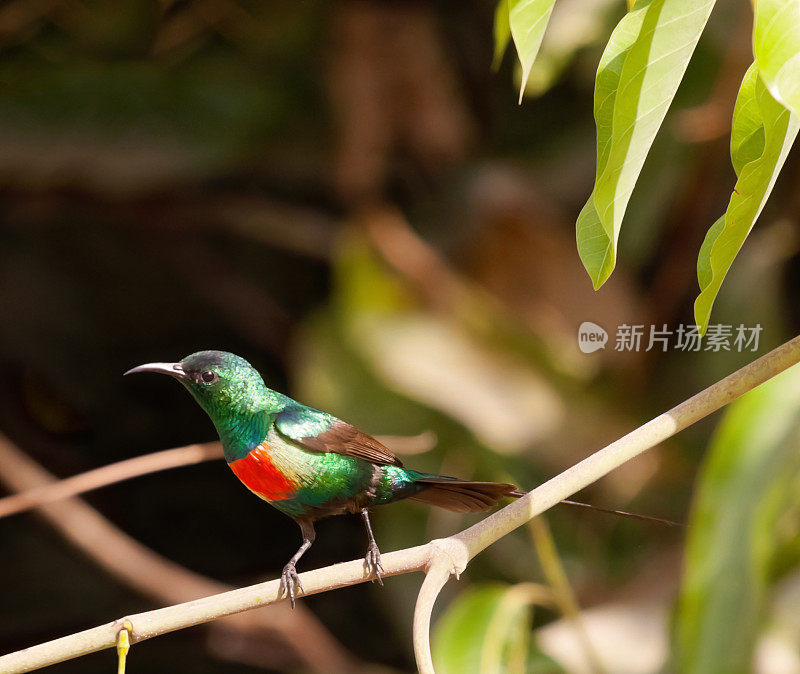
(259, 474)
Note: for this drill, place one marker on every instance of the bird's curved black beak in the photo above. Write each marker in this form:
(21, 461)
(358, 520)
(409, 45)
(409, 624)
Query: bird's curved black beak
(172, 369)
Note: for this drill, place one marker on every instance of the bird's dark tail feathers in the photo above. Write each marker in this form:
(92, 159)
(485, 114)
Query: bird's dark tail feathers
(461, 496)
(469, 497)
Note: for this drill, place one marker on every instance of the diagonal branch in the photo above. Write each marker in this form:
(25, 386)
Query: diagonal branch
(443, 556)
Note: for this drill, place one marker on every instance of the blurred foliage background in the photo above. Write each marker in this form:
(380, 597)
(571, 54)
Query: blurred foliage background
(345, 194)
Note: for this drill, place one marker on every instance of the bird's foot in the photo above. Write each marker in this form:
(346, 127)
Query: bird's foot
(290, 580)
(372, 562)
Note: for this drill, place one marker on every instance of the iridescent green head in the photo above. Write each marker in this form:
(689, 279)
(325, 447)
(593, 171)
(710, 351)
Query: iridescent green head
(231, 392)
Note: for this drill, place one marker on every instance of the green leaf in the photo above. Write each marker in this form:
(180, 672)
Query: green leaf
(573, 25)
(502, 31)
(776, 46)
(487, 630)
(528, 20)
(639, 73)
(747, 483)
(762, 134)
(704, 272)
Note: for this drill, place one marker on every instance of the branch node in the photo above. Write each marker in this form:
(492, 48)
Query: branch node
(453, 550)
(123, 645)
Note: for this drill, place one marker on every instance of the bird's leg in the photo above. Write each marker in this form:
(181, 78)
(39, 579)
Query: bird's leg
(289, 578)
(373, 558)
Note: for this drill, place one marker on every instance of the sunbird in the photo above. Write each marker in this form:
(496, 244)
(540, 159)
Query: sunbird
(306, 463)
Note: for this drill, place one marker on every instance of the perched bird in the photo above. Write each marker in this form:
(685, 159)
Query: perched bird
(307, 463)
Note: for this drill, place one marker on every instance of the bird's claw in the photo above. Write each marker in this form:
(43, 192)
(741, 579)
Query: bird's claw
(290, 580)
(372, 562)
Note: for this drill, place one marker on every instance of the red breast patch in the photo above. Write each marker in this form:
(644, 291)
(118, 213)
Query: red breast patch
(259, 475)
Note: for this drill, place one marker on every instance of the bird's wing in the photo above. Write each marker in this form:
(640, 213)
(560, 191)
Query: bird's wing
(322, 432)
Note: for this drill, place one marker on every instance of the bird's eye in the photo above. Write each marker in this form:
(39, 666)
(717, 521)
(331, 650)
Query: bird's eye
(209, 377)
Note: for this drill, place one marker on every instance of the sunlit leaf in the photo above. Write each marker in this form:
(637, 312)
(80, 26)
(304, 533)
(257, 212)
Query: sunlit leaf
(704, 272)
(502, 31)
(528, 20)
(762, 134)
(487, 630)
(573, 25)
(747, 483)
(776, 46)
(639, 73)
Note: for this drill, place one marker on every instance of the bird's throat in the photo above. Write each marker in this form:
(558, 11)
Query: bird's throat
(239, 434)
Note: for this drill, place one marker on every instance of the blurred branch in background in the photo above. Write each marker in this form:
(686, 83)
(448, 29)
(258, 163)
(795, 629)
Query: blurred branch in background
(282, 225)
(563, 594)
(712, 119)
(392, 89)
(106, 475)
(444, 290)
(274, 638)
(439, 558)
(158, 461)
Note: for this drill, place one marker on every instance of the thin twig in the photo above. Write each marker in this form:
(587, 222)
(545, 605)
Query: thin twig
(449, 555)
(111, 474)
